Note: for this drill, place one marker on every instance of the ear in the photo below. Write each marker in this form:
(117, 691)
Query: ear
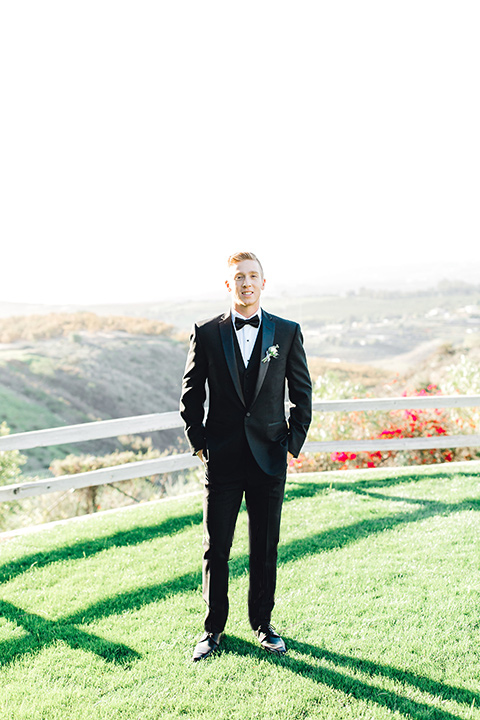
(227, 283)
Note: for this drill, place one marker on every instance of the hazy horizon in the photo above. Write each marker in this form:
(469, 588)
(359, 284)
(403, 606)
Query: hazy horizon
(414, 283)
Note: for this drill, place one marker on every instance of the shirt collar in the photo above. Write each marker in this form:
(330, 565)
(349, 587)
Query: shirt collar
(235, 314)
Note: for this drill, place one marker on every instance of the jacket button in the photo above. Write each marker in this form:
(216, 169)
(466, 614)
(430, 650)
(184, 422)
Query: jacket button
(248, 414)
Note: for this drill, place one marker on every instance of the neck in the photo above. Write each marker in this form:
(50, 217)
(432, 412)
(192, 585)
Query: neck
(246, 312)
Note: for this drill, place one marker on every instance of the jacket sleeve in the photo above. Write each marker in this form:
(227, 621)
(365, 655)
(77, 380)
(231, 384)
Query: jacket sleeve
(193, 396)
(300, 394)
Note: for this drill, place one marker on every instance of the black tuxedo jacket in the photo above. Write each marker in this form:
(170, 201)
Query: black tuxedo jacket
(230, 421)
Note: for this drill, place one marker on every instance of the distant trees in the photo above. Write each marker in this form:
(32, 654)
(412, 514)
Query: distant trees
(444, 287)
(42, 327)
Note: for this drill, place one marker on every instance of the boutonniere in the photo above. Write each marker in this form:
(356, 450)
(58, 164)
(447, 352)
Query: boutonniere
(272, 352)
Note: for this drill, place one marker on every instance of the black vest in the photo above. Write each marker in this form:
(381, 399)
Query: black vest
(249, 374)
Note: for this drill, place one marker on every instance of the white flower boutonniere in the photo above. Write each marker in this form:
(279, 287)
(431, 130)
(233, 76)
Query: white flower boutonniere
(272, 352)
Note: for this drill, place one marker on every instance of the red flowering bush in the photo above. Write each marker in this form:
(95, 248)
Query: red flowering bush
(383, 426)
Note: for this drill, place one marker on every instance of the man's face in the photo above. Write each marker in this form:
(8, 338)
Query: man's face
(246, 283)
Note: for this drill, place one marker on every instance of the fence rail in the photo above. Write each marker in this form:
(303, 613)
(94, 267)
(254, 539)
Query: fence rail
(165, 421)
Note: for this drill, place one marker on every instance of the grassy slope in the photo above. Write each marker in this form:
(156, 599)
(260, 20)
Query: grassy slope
(378, 599)
(87, 377)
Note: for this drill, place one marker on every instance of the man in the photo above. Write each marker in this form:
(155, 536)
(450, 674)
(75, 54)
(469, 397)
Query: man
(246, 358)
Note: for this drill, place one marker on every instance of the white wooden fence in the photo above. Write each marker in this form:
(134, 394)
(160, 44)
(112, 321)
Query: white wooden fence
(165, 421)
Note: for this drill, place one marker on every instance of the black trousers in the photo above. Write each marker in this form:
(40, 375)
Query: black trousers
(222, 499)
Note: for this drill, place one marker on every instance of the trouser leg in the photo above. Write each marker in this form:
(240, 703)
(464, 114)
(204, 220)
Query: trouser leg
(264, 500)
(222, 502)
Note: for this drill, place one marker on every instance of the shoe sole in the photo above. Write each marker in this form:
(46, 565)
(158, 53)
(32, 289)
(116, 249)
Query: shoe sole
(274, 652)
(213, 651)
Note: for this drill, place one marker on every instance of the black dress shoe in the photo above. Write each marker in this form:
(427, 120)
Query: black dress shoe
(207, 644)
(270, 640)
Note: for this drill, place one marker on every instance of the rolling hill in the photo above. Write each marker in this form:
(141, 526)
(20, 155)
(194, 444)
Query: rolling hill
(86, 375)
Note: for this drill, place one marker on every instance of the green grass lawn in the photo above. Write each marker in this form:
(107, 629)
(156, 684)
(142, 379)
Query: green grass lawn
(378, 601)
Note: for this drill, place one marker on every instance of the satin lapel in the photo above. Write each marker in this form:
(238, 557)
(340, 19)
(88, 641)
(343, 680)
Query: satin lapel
(268, 335)
(226, 333)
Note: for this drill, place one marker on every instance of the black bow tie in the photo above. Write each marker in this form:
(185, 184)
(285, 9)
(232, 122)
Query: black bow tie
(241, 322)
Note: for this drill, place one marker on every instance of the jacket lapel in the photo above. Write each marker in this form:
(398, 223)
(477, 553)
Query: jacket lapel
(268, 336)
(226, 333)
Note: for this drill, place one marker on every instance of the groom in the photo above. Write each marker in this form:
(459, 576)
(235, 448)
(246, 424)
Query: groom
(247, 358)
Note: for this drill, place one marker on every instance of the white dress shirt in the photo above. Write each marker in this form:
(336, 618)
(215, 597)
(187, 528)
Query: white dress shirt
(246, 336)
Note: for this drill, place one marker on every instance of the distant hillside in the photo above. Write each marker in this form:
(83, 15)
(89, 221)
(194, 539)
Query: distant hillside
(366, 326)
(89, 375)
(53, 325)
(395, 328)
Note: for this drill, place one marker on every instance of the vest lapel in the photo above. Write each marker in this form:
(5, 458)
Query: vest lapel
(267, 340)
(226, 333)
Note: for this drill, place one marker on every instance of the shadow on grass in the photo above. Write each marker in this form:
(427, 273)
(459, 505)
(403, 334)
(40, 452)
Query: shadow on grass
(333, 677)
(288, 552)
(295, 489)
(136, 599)
(303, 488)
(43, 632)
(87, 548)
(340, 537)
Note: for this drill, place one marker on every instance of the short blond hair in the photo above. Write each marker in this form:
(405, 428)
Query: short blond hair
(241, 256)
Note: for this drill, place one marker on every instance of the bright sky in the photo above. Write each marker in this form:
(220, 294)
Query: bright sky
(142, 142)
